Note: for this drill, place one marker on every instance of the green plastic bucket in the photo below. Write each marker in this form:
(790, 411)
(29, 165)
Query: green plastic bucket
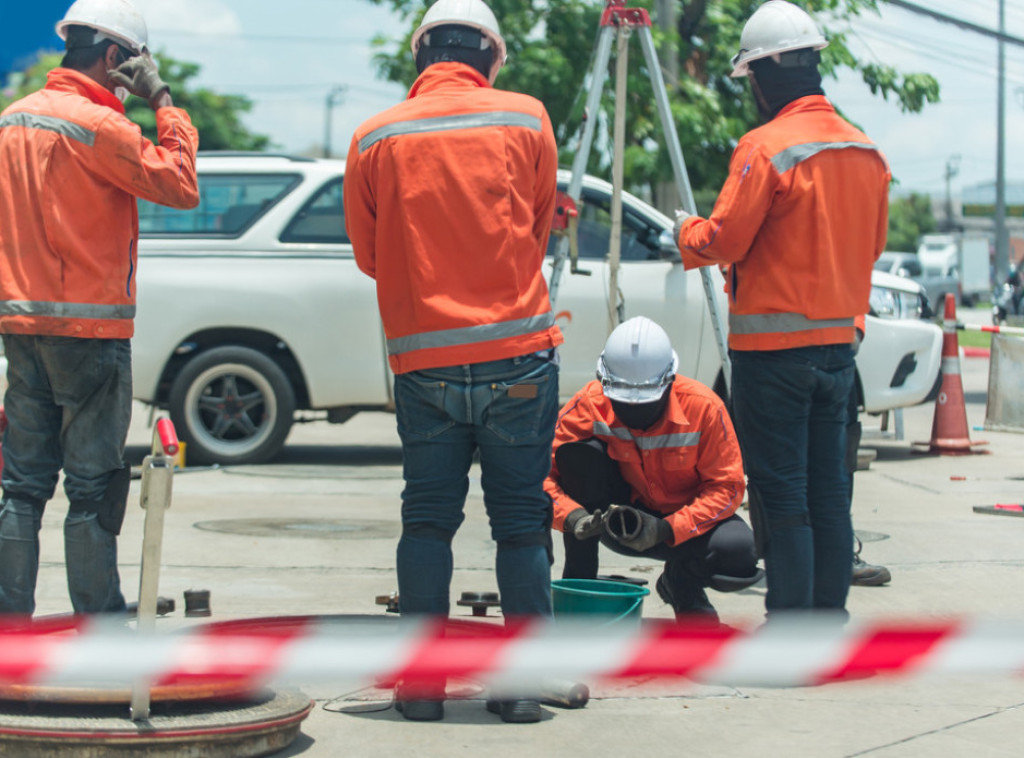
(611, 602)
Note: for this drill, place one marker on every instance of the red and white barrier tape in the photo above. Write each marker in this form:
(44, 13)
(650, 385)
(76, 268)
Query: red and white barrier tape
(993, 329)
(785, 652)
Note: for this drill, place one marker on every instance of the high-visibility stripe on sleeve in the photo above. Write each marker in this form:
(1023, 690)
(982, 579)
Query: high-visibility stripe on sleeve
(450, 123)
(655, 442)
(796, 154)
(781, 323)
(65, 310)
(470, 335)
(61, 126)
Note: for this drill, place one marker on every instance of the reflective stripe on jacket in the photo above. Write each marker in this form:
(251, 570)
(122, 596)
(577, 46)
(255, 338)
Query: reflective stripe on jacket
(71, 166)
(687, 466)
(801, 219)
(449, 198)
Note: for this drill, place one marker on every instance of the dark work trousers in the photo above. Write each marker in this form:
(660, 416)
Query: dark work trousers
(594, 480)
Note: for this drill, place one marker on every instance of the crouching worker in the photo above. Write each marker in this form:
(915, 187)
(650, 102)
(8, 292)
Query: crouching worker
(646, 462)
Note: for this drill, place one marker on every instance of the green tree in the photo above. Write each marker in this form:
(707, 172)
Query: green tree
(216, 116)
(909, 218)
(550, 48)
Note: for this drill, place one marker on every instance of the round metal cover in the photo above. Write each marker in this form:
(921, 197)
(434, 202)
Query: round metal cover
(305, 528)
(233, 730)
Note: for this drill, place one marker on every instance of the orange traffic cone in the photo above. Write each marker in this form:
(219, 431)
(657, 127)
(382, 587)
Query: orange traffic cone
(949, 427)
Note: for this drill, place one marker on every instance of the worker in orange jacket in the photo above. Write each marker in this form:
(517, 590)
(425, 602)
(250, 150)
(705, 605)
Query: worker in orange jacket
(71, 166)
(646, 462)
(801, 219)
(449, 199)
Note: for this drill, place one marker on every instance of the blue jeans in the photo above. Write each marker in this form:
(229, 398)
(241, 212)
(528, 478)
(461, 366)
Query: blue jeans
(505, 410)
(68, 406)
(790, 410)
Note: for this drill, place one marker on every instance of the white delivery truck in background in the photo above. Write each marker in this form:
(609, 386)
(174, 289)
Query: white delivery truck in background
(965, 256)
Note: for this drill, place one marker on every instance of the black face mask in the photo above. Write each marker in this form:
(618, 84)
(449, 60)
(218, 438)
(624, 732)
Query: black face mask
(455, 43)
(641, 415)
(776, 85)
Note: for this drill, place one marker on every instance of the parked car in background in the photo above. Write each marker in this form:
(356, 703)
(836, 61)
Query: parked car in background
(909, 265)
(252, 312)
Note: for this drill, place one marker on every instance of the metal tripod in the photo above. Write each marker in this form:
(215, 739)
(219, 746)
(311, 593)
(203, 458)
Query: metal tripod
(619, 21)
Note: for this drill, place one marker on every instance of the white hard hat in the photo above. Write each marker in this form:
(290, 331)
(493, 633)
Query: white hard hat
(471, 13)
(776, 27)
(116, 20)
(637, 363)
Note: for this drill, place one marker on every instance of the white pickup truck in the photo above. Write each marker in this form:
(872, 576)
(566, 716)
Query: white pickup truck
(251, 311)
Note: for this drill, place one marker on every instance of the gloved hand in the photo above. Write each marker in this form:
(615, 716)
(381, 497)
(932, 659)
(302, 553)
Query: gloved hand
(681, 216)
(140, 76)
(635, 529)
(583, 525)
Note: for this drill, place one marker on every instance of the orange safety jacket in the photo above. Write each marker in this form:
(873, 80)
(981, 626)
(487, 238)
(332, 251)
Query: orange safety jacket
(687, 466)
(71, 166)
(801, 219)
(449, 199)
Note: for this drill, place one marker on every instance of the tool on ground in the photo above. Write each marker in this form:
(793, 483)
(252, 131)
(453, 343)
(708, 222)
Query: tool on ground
(619, 21)
(390, 601)
(197, 603)
(565, 694)
(950, 435)
(155, 499)
(1001, 509)
(164, 606)
(479, 601)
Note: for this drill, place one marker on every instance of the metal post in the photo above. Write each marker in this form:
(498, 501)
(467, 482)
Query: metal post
(675, 152)
(579, 161)
(335, 97)
(155, 499)
(1002, 236)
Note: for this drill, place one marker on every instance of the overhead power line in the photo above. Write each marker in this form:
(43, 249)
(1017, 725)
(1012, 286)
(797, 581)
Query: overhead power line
(915, 8)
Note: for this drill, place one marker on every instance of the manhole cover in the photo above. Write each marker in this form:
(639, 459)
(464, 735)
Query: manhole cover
(312, 528)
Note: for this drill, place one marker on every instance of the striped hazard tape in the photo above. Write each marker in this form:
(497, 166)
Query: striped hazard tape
(784, 652)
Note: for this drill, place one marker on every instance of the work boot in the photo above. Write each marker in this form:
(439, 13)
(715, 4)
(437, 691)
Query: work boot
(867, 574)
(516, 711)
(695, 607)
(420, 703)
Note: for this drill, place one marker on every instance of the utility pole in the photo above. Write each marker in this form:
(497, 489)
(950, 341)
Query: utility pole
(1002, 236)
(952, 169)
(335, 97)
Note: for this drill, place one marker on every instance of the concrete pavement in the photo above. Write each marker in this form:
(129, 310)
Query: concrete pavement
(314, 533)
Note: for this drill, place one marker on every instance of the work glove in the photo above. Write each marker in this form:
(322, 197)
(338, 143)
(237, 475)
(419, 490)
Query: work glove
(635, 529)
(583, 525)
(681, 216)
(140, 76)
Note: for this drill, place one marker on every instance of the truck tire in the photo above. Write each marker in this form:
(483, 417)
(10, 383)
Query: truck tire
(232, 405)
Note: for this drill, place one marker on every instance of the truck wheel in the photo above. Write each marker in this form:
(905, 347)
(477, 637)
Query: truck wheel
(232, 405)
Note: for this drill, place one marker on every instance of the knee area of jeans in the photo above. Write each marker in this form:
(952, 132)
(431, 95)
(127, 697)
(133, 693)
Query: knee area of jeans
(427, 533)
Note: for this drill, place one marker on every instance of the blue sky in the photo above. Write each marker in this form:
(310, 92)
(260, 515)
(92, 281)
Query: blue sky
(287, 56)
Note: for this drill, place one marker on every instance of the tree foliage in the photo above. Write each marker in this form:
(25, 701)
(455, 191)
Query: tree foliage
(217, 117)
(551, 44)
(909, 218)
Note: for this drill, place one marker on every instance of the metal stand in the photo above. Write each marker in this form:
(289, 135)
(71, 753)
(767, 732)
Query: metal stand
(155, 498)
(619, 21)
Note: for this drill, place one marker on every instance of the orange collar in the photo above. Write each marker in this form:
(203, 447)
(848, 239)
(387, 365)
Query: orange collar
(445, 75)
(68, 80)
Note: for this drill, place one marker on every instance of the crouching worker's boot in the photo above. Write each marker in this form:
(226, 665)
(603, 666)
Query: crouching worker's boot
(420, 702)
(688, 599)
(516, 711)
